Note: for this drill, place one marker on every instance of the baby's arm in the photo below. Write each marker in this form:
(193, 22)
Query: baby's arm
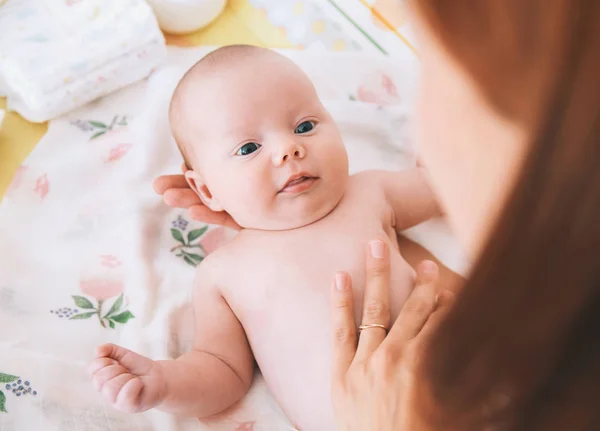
(410, 196)
(218, 371)
(213, 376)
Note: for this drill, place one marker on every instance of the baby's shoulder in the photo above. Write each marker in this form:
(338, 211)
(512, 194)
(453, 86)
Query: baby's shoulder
(215, 267)
(368, 183)
(367, 177)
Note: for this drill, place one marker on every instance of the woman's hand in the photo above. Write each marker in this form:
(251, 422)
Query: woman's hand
(373, 386)
(177, 193)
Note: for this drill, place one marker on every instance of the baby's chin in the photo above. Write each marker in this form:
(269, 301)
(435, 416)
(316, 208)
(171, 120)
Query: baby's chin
(293, 219)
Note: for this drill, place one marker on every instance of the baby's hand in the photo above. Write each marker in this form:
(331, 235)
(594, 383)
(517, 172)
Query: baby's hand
(130, 382)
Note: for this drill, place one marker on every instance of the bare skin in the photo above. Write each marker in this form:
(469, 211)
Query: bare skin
(373, 376)
(265, 296)
(176, 193)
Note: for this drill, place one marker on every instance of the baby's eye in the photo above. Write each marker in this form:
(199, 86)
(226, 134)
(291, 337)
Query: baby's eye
(305, 127)
(248, 148)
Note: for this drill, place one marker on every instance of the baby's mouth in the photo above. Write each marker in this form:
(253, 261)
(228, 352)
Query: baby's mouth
(298, 184)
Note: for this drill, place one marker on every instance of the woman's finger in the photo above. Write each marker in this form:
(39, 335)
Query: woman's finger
(166, 182)
(181, 198)
(444, 303)
(344, 327)
(204, 214)
(376, 300)
(417, 308)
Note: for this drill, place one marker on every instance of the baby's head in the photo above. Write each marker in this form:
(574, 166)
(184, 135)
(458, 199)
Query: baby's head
(258, 142)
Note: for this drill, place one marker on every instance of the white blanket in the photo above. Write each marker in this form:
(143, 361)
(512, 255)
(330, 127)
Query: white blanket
(89, 254)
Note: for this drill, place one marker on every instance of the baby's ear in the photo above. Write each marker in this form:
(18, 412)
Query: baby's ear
(196, 183)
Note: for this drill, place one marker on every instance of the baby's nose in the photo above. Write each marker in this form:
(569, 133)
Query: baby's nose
(293, 151)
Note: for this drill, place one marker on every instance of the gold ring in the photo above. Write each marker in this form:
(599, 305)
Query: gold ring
(373, 325)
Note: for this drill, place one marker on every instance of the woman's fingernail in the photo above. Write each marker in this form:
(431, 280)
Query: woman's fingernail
(340, 282)
(377, 249)
(428, 267)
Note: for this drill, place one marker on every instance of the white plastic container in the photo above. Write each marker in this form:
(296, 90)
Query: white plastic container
(186, 16)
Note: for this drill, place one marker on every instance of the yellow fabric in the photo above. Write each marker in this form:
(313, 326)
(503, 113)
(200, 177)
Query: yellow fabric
(240, 22)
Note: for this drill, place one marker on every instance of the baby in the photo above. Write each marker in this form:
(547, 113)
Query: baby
(261, 146)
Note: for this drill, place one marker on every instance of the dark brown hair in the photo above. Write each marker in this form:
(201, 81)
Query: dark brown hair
(520, 350)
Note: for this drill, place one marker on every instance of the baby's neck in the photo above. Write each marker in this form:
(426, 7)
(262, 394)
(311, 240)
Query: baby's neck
(308, 223)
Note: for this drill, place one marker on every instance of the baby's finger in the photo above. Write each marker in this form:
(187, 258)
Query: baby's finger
(417, 308)
(112, 387)
(136, 364)
(376, 301)
(166, 182)
(344, 327)
(98, 364)
(129, 397)
(103, 375)
(104, 350)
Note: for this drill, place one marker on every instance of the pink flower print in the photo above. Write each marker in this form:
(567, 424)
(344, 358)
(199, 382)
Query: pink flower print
(118, 152)
(378, 89)
(17, 180)
(101, 289)
(109, 261)
(109, 303)
(212, 240)
(42, 186)
(246, 426)
(72, 2)
(389, 86)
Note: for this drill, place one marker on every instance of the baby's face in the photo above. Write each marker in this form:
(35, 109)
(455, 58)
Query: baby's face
(263, 145)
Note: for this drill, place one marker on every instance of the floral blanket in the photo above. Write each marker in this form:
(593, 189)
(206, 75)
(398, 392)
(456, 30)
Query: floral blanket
(89, 254)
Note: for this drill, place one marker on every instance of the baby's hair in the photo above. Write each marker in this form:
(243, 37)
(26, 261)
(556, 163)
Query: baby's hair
(221, 57)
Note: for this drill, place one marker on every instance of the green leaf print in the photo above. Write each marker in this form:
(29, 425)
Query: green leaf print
(7, 378)
(115, 307)
(123, 317)
(177, 236)
(190, 261)
(83, 316)
(97, 134)
(98, 124)
(194, 257)
(196, 233)
(112, 324)
(82, 302)
(2, 402)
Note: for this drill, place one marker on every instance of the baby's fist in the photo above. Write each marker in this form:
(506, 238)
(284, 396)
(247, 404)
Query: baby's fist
(130, 382)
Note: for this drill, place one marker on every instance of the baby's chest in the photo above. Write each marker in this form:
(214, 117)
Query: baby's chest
(316, 252)
(288, 278)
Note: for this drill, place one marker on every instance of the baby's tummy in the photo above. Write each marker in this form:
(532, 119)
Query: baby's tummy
(285, 311)
(291, 338)
(295, 360)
